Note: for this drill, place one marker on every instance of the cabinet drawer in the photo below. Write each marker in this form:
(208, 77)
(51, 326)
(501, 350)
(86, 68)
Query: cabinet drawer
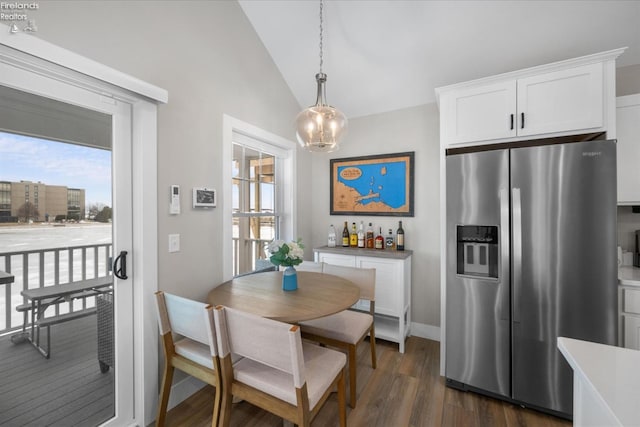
(337, 259)
(631, 301)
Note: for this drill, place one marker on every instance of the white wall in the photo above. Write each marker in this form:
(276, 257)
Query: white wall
(628, 80)
(413, 129)
(207, 55)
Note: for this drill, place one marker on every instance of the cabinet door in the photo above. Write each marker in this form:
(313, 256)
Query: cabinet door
(561, 101)
(389, 284)
(632, 332)
(628, 133)
(480, 113)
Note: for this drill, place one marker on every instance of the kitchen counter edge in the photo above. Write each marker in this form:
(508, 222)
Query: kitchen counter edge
(629, 276)
(610, 372)
(375, 253)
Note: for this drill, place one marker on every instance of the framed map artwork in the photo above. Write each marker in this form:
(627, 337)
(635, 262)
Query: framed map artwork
(373, 185)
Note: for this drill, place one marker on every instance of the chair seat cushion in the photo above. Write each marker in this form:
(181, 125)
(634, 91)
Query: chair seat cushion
(321, 365)
(347, 326)
(194, 351)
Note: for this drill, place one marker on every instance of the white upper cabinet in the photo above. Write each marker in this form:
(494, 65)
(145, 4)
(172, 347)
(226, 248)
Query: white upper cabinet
(480, 113)
(564, 98)
(561, 101)
(628, 149)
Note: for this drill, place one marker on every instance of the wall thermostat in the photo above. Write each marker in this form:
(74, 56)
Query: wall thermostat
(204, 197)
(174, 200)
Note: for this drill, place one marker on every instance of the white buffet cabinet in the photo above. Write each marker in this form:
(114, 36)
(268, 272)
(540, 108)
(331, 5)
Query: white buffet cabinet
(393, 286)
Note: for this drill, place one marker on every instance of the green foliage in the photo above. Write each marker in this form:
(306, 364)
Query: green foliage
(104, 215)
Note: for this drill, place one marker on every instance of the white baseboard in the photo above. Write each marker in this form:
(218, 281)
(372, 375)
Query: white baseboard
(183, 389)
(422, 330)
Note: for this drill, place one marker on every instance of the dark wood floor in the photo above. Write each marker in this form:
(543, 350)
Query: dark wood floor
(66, 390)
(405, 390)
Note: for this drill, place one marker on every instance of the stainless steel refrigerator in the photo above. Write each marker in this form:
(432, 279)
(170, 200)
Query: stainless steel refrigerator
(531, 256)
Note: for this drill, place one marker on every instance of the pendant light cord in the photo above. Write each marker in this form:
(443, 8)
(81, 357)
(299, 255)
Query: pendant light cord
(321, 36)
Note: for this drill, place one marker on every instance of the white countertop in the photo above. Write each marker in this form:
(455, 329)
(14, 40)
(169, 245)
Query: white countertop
(629, 275)
(612, 372)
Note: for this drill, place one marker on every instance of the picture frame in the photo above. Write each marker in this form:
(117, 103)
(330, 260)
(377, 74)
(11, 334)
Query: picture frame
(204, 197)
(380, 185)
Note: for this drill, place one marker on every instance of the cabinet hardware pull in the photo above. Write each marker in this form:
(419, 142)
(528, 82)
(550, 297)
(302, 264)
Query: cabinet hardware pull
(521, 120)
(512, 122)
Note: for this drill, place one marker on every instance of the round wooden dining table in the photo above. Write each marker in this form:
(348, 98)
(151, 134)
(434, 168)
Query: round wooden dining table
(318, 295)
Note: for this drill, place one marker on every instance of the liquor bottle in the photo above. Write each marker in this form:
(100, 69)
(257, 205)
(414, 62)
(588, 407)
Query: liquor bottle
(379, 242)
(369, 237)
(332, 237)
(361, 236)
(389, 241)
(400, 238)
(353, 237)
(345, 235)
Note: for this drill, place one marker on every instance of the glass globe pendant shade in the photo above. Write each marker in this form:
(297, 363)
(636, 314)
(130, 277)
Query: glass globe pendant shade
(321, 127)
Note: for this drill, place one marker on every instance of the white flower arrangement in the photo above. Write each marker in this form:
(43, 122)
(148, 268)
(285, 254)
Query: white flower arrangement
(287, 254)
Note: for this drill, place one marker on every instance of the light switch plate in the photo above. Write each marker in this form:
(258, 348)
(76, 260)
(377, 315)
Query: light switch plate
(174, 243)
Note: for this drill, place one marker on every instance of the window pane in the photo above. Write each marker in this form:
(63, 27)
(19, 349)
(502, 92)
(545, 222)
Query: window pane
(235, 195)
(238, 154)
(254, 197)
(267, 228)
(267, 197)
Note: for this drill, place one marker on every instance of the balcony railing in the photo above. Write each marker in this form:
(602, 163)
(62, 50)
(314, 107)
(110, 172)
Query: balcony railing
(255, 257)
(48, 267)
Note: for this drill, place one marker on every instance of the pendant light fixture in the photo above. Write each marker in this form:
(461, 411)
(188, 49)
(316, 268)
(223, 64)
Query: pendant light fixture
(320, 127)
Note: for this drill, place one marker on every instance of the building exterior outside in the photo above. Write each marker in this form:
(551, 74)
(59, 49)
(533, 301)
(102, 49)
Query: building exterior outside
(26, 200)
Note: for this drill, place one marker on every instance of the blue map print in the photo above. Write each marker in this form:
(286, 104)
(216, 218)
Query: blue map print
(382, 182)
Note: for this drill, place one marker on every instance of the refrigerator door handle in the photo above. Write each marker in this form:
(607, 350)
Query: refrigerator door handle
(517, 253)
(503, 295)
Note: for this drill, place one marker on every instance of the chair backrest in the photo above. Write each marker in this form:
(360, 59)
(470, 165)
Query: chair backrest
(272, 343)
(191, 319)
(315, 267)
(365, 278)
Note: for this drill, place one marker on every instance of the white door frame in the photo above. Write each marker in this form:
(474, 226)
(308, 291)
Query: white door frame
(34, 55)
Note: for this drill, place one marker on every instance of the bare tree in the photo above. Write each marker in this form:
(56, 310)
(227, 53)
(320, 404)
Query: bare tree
(28, 211)
(93, 209)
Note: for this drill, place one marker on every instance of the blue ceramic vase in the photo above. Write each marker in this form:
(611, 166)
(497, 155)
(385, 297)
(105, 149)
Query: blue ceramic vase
(289, 279)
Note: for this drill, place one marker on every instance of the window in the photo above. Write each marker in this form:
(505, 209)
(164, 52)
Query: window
(258, 194)
(255, 217)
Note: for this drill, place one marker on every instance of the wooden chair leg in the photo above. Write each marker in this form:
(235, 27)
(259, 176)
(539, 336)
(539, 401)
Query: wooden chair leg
(352, 376)
(216, 406)
(226, 388)
(165, 389)
(372, 342)
(342, 400)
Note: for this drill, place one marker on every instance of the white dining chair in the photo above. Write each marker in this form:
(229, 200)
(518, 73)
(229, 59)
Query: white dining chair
(195, 354)
(278, 372)
(348, 328)
(315, 267)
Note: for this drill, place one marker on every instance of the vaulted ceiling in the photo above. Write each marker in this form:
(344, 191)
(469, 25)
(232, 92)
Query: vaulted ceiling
(384, 55)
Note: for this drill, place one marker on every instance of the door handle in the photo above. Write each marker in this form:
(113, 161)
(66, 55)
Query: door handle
(517, 253)
(503, 276)
(120, 271)
(521, 120)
